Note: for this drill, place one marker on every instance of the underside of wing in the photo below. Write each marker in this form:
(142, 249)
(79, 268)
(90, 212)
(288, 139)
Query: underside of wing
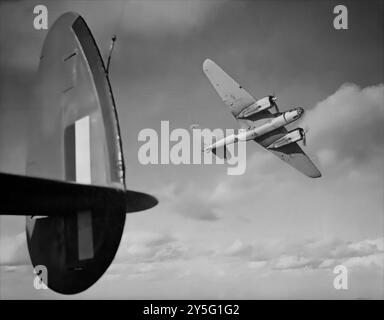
(290, 153)
(233, 95)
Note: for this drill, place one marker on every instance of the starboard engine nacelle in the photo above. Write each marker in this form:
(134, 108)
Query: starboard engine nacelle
(292, 136)
(260, 105)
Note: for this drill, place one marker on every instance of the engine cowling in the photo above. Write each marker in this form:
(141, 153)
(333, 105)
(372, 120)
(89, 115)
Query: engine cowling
(260, 105)
(290, 137)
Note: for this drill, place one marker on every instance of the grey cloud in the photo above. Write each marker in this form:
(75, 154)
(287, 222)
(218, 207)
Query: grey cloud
(144, 18)
(13, 251)
(196, 208)
(164, 17)
(193, 202)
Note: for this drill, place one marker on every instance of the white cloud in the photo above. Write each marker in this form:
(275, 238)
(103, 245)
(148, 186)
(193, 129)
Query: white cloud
(291, 262)
(238, 249)
(143, 246)
(347, 125)
(312, 253)
(373, 260)
(345, 138)
(327, 263)
(13, 251)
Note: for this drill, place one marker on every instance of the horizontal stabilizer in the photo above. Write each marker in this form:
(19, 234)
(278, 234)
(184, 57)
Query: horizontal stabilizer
(23, 195)
(221, 152)
(138, 201)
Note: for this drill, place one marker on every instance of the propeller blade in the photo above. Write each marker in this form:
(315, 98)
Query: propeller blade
(305, 136)
(272, 99)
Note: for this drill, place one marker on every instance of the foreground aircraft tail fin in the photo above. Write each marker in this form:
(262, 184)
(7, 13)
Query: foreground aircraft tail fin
(75, 164)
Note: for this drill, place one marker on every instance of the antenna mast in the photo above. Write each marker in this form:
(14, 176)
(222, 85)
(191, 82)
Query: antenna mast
(113, 40)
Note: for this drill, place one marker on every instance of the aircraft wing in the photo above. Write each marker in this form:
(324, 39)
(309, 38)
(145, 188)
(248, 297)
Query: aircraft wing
(290, 153)
(234, 96)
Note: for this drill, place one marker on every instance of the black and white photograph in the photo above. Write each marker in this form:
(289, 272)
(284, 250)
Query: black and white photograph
(215, 150)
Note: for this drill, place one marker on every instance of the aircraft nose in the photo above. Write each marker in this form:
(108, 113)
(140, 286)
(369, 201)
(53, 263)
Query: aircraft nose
(300, 111)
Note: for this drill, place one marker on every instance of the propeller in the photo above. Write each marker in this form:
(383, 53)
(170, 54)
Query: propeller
(305, 131)
(113, 40)
(272, 100)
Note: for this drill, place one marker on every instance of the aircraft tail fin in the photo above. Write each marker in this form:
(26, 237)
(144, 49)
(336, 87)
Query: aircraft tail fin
(75, 164)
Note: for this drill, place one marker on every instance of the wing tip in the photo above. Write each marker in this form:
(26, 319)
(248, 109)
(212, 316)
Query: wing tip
(316, 174)
(139, 201)
(207, 62)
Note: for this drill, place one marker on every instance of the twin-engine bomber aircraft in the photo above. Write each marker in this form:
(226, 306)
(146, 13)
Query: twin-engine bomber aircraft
(260, 124)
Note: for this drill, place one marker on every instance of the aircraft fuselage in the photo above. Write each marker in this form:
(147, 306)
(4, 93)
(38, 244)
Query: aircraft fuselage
(273, 124)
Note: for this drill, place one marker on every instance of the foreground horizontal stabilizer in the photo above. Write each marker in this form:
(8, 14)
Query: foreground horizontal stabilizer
(22, 195)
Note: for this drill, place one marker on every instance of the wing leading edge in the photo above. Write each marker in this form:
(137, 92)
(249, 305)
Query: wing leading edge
(234, 96)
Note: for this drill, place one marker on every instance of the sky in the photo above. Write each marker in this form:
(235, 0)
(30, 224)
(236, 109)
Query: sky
(271, 233)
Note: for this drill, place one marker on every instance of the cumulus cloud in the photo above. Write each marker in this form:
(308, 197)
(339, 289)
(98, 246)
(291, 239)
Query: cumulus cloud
(148, 247)
(150, 255)
(238, 248)
(308, 254)
(291, 262)
(373, 260)
(348, 125)
(345, 141)
(255, 259)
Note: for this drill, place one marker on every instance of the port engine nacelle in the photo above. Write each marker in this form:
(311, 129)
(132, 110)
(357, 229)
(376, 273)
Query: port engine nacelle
(260, 105)
(292, 136)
